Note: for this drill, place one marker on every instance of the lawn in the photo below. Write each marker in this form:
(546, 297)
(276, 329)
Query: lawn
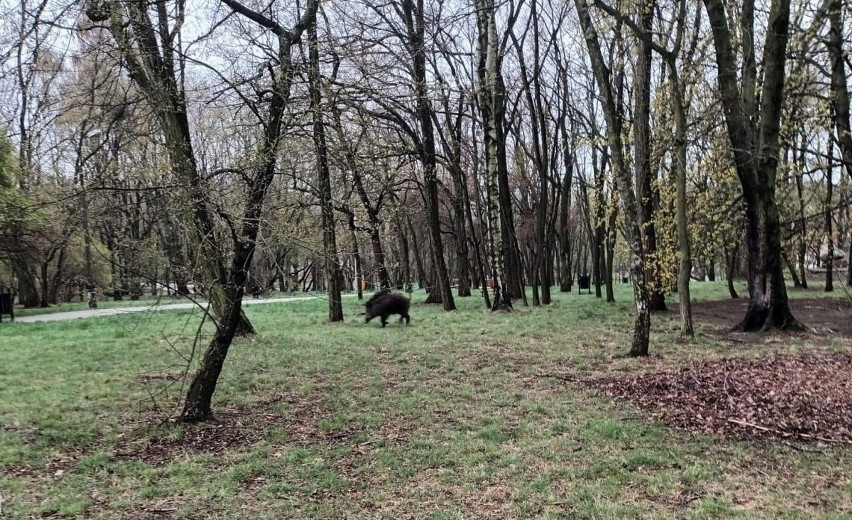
(469, 414)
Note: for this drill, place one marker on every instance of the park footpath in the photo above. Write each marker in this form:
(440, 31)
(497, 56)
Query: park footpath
(100, 313)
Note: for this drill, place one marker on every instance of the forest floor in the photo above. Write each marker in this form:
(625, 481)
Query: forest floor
(535, 413)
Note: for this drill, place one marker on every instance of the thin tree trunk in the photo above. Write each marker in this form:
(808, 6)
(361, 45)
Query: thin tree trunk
(329, 240)
(414, 18)
(829, 222)
(199, 397)
(632, 214)
(418, 260)
(684, 246)
(491, 99)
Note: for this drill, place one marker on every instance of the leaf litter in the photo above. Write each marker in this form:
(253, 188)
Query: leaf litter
(805, 397)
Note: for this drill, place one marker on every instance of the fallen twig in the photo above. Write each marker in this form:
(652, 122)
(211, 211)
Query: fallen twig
(788, 434)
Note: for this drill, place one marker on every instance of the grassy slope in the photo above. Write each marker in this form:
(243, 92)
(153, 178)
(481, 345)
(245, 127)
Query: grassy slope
(455, 416)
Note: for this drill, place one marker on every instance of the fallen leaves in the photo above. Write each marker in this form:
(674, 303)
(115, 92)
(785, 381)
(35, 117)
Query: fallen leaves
(807, 397)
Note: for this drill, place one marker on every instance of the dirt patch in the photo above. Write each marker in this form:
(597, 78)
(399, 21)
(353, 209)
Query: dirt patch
(822, 316)
(232, 428)
(305, 422)
(805, 397)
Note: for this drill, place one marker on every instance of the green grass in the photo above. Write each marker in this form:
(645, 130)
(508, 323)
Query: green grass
(458, 415)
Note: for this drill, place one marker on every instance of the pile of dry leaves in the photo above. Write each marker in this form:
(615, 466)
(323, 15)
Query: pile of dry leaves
(807, 397)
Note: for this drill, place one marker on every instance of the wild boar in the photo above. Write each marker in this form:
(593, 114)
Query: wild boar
(384, 303)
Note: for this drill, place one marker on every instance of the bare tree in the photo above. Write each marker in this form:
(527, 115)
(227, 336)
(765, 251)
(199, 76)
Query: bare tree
(753, 124)
(632, 212)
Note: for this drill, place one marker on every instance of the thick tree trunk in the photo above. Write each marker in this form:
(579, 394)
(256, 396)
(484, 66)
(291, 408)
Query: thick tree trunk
(28, 294)
(511, 250)
(839, 87)
(754, 141)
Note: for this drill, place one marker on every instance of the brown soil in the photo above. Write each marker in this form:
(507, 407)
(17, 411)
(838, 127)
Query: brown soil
(822, 316)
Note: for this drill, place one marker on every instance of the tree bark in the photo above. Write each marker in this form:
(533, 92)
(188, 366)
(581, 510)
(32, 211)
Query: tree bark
(329, 240)
(152, 69)
(197, 406)
(642, 157)
(632, 212)
(839, 87)
(414, 18)
(755, 145)
(491, 107)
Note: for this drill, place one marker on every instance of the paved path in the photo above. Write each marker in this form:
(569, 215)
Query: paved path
(97, 313)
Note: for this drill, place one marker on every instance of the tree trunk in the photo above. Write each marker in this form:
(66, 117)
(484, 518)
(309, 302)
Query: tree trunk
(684, 246)
(28, 294)
(839, 87)
(632, 212)
(415, 23)
(829, 222)
(610, 248)
(479, 248)
(801, 223)
(754, 141)
(198, 400)
(849, 268)
(491, 99)
(418, 260)
(405, 255)
(356, 255)
(731, 269)
(329, 240)
(642, 157)
(797, 283)
(149, 57)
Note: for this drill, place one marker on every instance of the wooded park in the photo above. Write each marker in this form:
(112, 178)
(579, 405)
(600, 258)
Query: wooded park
(616, 234)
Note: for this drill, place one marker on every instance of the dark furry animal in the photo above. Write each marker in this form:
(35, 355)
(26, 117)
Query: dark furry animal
(384, 303)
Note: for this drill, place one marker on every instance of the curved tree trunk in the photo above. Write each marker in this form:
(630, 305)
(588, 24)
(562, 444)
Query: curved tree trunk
(632, 211)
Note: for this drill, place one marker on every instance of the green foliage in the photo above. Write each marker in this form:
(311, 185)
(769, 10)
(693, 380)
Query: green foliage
(7, 164)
